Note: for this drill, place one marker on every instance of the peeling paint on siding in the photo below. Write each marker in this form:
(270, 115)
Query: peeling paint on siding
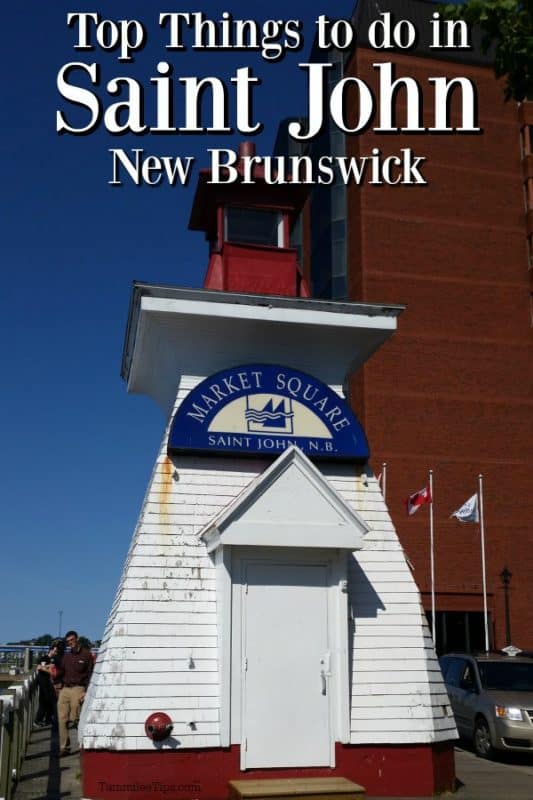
(164, 617)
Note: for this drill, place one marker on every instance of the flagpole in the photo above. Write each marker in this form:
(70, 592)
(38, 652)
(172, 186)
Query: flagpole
(432, 557)
(384, 479)
(483, 562)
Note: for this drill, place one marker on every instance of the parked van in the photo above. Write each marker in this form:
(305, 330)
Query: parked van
(492, 700)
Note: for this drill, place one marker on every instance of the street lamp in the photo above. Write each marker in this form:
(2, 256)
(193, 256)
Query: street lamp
(60, 613)
(506, 576)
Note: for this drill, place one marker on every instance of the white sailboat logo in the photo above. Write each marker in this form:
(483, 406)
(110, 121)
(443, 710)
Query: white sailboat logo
(275, 416)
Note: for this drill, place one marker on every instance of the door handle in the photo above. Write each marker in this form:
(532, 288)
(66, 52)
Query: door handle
(325, 672)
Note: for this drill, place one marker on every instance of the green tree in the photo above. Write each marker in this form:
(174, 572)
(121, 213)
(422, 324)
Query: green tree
(508, 25)
(41, 641)
(45, 640)
(84, 642)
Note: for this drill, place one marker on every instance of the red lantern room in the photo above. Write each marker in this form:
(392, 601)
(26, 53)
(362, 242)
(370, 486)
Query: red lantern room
(248, 227)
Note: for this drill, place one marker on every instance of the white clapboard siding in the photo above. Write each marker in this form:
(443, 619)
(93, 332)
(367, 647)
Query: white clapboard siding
(180, 716)
(164, 613)
(176, 705)
(173, 534)
(161, 632)
(393, 658)
(166, 645)
(171, 583)
(192, 678)
(148, 551)
(383, 526)
(181, 503)
(365, 704)
(120, 742)
(194, 578)
(198, 654)
(421, 712)
(399, 687)
(160, 591)
(380, 535)
(170, 666)
(170, 616)
(154, 606)
(386, 558)
(399, 725)
(381, 546)
(160, 647)
(199, 561)
(159, 692)
(130, 728)
(403, 664)
(387, 619)
(406, 736)
(387, 676)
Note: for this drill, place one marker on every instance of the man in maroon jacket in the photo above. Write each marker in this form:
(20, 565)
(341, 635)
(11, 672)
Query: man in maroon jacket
(77, 668)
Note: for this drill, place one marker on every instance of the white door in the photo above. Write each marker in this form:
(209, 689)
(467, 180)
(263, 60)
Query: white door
(286, 692)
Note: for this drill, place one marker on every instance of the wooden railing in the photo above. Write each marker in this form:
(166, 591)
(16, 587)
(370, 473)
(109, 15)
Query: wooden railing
(17, 712)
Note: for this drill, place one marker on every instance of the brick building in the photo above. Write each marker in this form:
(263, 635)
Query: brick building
(452, 391)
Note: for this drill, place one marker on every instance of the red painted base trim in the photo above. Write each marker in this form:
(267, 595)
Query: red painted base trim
(384, 771)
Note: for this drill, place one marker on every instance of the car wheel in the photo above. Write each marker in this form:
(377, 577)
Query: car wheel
(482, 741)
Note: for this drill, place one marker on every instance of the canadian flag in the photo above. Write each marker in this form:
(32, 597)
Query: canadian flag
(414, 501)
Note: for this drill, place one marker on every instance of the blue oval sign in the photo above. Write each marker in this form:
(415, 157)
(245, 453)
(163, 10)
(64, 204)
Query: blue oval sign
(260, 409)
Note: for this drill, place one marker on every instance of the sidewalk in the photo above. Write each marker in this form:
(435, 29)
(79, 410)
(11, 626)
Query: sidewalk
(44, 775)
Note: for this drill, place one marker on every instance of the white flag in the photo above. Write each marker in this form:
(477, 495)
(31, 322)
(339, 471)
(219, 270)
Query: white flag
(469, 511)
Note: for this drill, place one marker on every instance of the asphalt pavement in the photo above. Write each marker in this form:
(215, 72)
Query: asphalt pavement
(508, 778)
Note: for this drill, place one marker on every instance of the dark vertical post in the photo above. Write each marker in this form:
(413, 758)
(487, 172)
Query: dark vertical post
(506, 576)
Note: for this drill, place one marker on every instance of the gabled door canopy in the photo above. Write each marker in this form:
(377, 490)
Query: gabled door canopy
(291, 504)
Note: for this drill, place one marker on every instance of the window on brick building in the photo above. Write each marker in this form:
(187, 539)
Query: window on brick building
(459, 631)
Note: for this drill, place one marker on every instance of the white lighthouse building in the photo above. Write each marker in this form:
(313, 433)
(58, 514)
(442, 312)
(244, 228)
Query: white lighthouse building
(266, 606)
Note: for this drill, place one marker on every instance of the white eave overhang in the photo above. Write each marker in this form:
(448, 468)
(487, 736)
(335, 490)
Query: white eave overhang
(173, 332)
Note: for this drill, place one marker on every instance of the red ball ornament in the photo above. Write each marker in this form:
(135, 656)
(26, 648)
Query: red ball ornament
(158, 726)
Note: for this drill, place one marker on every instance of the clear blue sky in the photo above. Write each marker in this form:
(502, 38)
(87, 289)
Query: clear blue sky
(76, 450)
